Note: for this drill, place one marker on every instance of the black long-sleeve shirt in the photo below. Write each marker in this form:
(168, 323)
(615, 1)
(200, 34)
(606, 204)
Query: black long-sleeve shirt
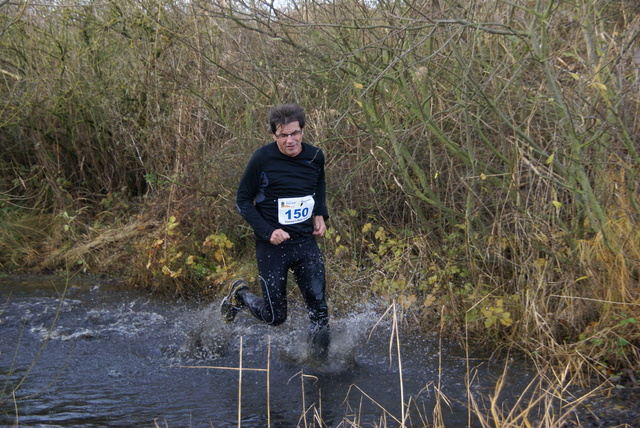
(271, 175)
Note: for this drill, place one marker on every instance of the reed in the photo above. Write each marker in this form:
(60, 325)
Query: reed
(11, 384)
(240, 369)
(549, 399)
(482, 160)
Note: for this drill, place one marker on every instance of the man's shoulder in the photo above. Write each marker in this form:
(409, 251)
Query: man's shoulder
(263, 152)
(311, 152)
(267, 148)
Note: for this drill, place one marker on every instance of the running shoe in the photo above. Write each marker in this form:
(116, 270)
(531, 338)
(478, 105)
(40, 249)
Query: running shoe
(232, 304)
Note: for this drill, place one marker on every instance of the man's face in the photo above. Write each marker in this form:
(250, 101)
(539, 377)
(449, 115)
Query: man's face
(289, 138)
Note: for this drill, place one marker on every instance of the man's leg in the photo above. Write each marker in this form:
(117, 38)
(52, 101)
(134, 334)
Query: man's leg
(273, 263)
(309, 273)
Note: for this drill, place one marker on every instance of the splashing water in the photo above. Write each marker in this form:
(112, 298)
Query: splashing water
(104, 356)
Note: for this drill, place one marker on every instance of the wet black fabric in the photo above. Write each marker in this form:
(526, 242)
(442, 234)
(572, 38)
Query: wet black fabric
(274, 262)
(270, 175)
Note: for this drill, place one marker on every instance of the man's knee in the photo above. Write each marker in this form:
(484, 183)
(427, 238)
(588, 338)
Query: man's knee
(274, 317)
(276, 320)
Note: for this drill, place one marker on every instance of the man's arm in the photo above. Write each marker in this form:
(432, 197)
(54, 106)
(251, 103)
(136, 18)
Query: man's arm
(320, 208)
(247, 190)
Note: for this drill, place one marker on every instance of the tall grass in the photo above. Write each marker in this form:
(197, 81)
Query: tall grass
(482, 159)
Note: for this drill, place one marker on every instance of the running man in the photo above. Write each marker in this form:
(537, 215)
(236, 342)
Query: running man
(282, 196)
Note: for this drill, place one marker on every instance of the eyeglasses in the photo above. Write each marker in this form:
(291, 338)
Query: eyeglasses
(285, 136)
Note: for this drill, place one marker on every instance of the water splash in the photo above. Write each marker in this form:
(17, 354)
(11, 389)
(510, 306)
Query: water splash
(121, 350)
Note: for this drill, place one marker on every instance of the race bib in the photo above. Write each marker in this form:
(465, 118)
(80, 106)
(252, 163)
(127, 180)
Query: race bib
(295, 210)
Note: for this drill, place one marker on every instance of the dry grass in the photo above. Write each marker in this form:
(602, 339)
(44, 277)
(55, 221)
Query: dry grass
(492, 150)
(99, 247)
(548, 400)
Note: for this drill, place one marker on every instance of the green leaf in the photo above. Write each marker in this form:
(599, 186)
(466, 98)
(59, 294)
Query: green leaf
(631, 320)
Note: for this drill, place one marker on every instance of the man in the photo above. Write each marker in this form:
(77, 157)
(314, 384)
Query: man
(282, 196)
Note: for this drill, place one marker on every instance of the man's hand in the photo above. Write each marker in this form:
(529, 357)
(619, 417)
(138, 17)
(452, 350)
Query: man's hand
(279, 236)
(319, 228)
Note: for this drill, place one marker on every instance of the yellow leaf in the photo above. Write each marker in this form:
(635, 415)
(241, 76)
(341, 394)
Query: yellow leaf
(506, 322)
(489, 322)
(367, 227)
(483, 177)
(358, 85)
(429, 300)
(550, 159)
(556, 204)
(407, 301)
(600, 86)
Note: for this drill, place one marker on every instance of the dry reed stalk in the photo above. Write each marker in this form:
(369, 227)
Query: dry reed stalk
(166, 424)
(303, 416)
(15, 408)
(542, 403)
(396, 332)
(269, 382)
(305, 410)
(317, 413)
(394, 339)
(468, 378)
(240, 387)
(589, 299)
(438, 420)
(241, 369)
(81, 249)
(385, 412)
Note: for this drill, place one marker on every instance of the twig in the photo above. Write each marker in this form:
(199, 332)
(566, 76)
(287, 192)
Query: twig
(240, 388)
(397, 335)
(240, 369)
(246, 369)
(594, 300)
(269, 382)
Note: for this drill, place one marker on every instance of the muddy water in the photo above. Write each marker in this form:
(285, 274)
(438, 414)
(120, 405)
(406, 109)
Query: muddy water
(89, 353)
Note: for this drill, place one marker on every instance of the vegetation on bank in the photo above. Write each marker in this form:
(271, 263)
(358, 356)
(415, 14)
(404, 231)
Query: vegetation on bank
(483, 161)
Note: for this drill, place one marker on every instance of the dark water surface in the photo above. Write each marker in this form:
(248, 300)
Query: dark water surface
(106, 356)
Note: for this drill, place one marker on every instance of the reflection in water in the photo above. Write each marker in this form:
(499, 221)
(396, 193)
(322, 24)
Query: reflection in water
(111, 357)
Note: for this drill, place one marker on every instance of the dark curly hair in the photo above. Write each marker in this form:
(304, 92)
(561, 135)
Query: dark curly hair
(283, 114)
